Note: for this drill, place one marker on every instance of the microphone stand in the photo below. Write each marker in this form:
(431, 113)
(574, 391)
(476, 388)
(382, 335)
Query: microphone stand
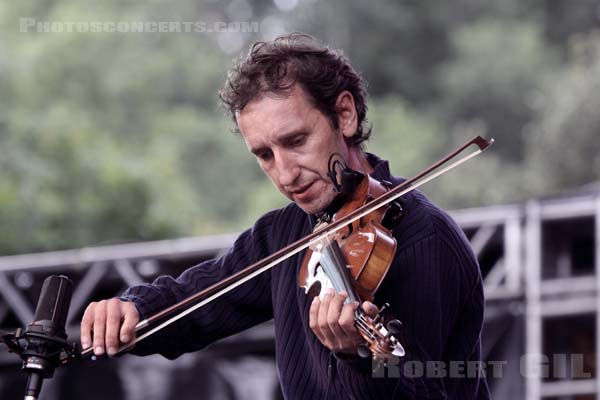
(42, 345)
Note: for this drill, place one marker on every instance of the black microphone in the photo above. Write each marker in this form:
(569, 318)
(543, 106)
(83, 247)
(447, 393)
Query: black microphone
(46, 336)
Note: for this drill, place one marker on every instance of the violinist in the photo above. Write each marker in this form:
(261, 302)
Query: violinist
(296, 103)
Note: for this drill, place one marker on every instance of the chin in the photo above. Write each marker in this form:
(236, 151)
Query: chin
(308, 208)
(312, 208)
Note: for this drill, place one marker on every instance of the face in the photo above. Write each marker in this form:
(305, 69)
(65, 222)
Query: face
(292, 141)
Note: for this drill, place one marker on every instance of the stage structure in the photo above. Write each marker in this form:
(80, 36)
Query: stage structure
(541, 266)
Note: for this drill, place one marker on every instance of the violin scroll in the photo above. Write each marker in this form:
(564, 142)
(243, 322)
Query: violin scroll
(381, 339)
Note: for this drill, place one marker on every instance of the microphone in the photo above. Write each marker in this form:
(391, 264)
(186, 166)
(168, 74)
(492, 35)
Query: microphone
(344, 180)
(349, 178)
(46, 337)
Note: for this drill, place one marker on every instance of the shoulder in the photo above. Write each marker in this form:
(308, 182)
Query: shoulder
(424, 219)
(433, 252)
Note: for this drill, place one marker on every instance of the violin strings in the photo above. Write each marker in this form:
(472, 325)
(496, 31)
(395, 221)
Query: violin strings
(363, 324)
(365, 328)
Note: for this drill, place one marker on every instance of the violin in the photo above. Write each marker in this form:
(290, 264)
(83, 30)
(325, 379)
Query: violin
(355, 235)
(356, 259)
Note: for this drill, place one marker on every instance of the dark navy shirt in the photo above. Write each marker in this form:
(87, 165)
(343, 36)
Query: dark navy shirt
(434, 287)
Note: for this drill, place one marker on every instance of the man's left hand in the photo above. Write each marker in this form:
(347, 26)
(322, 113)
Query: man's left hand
(332, 321)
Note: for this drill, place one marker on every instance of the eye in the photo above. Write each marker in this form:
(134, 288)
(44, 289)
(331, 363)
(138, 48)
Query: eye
(296, 141)
(265, 155)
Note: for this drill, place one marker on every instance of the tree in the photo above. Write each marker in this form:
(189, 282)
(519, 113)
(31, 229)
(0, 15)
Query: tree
(496, 71)
(563, 147)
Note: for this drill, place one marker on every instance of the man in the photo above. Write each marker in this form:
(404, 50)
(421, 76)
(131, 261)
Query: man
(296, 103)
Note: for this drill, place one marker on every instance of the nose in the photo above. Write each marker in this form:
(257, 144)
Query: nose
(288, 169)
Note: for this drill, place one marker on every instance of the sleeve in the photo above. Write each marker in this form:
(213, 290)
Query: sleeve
(430, 287)
(243, 307)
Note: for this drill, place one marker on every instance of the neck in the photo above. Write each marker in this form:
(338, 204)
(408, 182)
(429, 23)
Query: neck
(357, 160)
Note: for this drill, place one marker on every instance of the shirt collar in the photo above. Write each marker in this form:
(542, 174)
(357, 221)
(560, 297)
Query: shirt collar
(381, 168)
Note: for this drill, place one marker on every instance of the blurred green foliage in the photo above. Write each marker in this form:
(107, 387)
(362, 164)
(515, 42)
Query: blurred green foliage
(113, 137)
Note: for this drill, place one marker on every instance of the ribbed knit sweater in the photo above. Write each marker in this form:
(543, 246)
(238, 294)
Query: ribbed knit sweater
(433, 286)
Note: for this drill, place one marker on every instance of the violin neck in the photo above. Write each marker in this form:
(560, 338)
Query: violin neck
(333, 263)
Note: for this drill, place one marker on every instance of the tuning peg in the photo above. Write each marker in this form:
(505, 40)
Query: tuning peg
(394, 326)
(379, 317)
(363, 350)
(384, 308)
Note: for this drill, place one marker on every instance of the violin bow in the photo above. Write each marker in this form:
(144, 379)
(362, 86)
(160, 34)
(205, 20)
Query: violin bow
(224, 286)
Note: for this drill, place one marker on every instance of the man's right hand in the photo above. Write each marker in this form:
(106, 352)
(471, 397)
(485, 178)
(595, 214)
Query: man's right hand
(108, 321)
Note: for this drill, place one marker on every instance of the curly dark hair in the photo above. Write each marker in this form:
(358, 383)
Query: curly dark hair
(277, 65)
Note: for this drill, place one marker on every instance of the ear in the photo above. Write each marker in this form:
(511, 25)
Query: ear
(347, 116)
